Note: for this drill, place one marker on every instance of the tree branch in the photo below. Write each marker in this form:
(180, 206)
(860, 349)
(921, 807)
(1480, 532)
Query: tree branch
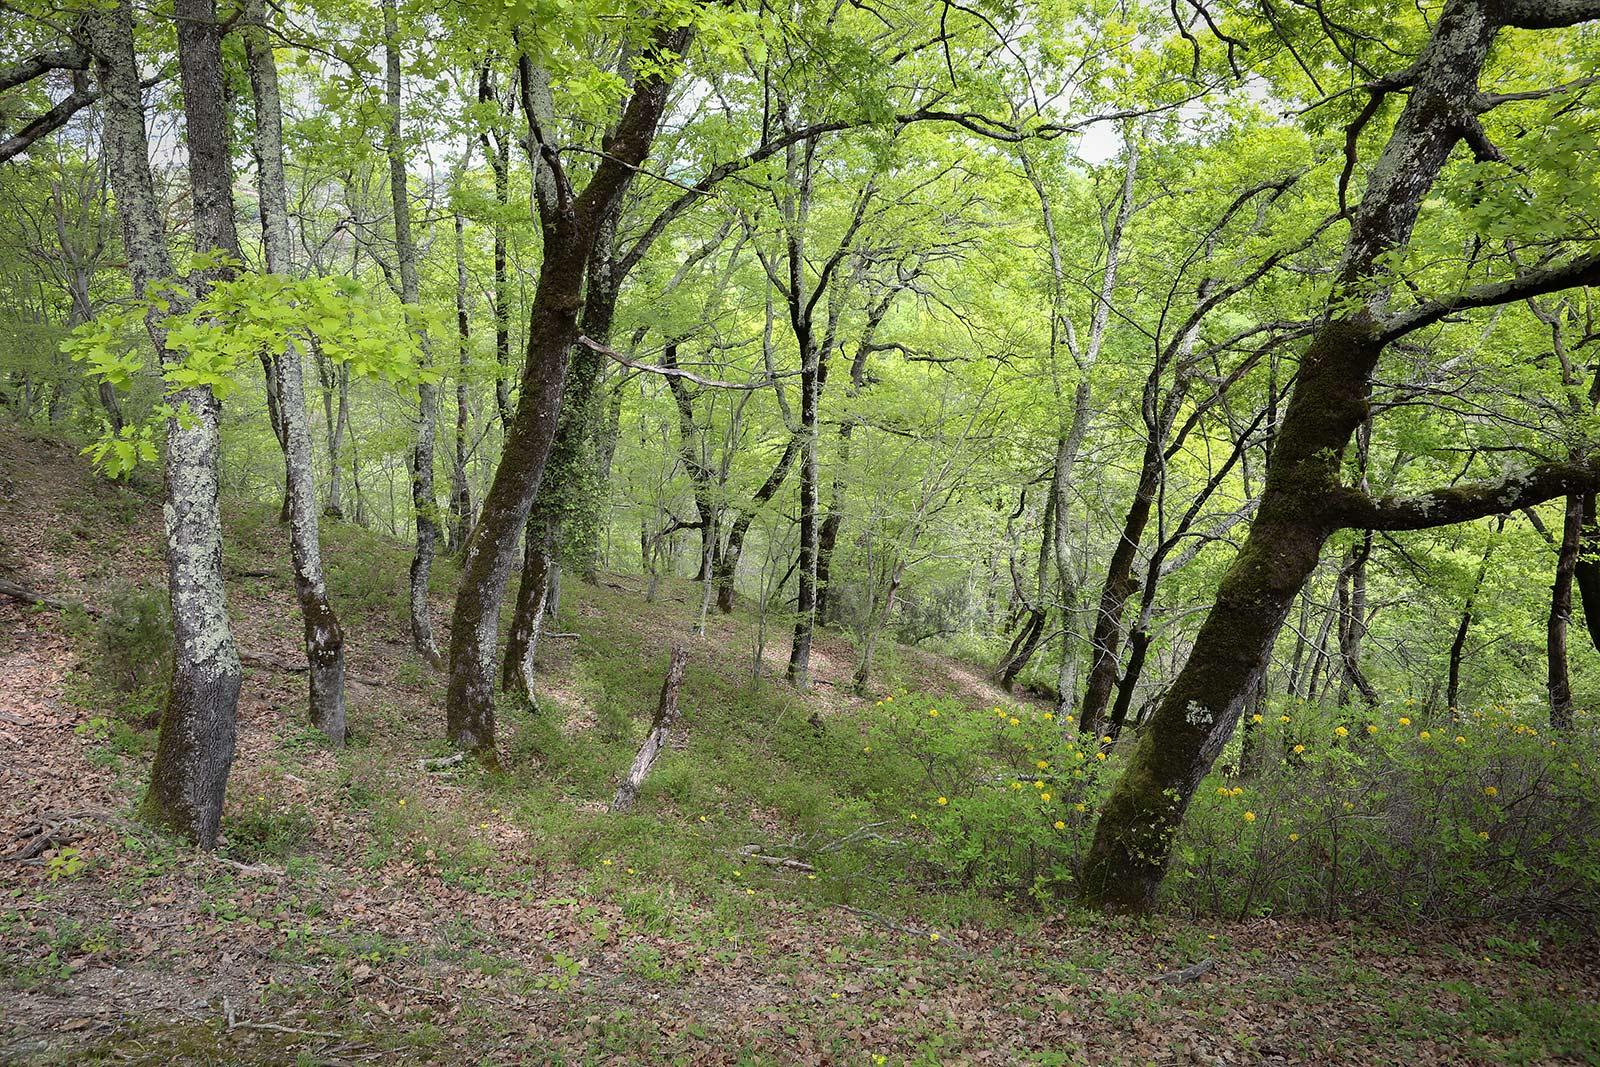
(1582, 271)
(1549, 14)
(670, 372)
(1353, 509)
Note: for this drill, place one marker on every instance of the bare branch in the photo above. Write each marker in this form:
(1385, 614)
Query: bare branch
(671, 372)
(1581, 271)
(1354, 509)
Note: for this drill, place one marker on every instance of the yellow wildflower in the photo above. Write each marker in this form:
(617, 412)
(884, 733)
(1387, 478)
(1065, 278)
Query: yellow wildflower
(943, 801)
(1249, 816)
(1341, 731)
(1299, 749)
(1060, 825)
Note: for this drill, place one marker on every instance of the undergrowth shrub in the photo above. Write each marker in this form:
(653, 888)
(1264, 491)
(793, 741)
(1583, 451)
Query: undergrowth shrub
(1379, 813)
(999, 799)
(1384, 812)
(134, 637)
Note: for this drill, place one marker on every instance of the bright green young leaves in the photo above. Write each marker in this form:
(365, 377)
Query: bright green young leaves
(239, 320)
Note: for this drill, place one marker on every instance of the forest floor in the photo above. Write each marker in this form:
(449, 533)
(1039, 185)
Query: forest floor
(363, 910)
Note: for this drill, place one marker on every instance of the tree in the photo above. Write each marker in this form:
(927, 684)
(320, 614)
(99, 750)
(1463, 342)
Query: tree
(1305, 498)
(324, 637)
(196, 741)
(570, 221)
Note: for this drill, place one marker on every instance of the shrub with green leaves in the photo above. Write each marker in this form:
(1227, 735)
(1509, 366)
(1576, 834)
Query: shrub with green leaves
(1386, 812)
(1003, 798)
(133, 639)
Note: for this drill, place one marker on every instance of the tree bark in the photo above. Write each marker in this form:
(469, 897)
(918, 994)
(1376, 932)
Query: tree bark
(567, 502)
(689, 453)
(196, 741)
(1459, 643)
(666, 717)
(728, 562)
(497, 146)
(324, 637)
(425, 507)
(460, 489)
(1586, 571)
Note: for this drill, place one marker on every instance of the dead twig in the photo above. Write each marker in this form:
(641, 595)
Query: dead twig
(439, 763)
(753, 852)
(930, 935)
(1188, 974)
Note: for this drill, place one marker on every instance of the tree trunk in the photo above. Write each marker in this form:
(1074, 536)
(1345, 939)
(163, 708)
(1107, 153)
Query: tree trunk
(195, 747)
(324, 637)
(1459, 643)
(799, 671)
(1586, 571)
(571, 223)
(1352, 593)
(699, 473)
(728, 562)
(460, 490)
(1560, 679)
(498, 149)
(533, 598)
(423, 503)
(334, 380)
(569, 497)
(1192, 723)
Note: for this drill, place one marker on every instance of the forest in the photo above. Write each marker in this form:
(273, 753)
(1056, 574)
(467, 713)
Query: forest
(836, 533)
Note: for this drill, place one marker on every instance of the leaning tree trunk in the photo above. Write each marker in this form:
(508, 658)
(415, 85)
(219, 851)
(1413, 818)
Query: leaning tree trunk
(1193, 722)
(566, 503)
(324, 637)
(571, 223)
(405, 249)
(195, 747)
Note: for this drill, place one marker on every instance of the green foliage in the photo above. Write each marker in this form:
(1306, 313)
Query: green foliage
(210, 342)
(1402, 816)
(133, 636)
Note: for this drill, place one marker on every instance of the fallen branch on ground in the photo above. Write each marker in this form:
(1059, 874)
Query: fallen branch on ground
(30, 596)
(666, 717)
(439, 763)
(245, 868)
(753, 852)
(1188, 974)
(930, 935)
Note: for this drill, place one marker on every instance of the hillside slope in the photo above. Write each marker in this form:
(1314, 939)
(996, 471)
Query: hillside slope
(365, 910)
